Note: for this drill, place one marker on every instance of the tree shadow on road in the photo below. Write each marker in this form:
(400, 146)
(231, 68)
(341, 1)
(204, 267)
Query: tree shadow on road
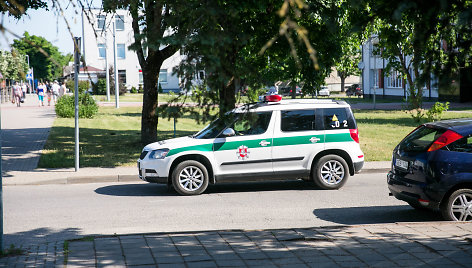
(375, 214)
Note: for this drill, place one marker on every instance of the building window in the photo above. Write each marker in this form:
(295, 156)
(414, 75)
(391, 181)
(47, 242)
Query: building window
(141, 79)
(102, 51)
(121, 52)
(163, 76)
(394, 80)
(119, 23)
(122, 76)
(101, 22)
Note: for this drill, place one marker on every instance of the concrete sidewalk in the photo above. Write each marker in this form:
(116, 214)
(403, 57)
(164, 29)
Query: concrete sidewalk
(437, 244)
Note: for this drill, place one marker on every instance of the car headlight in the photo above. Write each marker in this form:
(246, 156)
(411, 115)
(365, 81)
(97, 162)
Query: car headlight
(159, 154)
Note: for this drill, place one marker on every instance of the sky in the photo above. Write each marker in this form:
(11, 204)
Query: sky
(46, 24)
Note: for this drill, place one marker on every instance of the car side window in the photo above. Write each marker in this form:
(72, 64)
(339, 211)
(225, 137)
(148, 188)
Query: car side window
(461, 145)
(252, 123)
(337, 118)
(298, 120)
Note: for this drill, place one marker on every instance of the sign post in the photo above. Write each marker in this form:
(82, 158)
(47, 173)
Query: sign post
(76, 94)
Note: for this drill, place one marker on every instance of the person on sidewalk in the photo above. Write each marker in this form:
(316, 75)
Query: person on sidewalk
(24, 88)
(62, 90)
(55, 91)
(48, 93)
(17, 94)
(40, 91)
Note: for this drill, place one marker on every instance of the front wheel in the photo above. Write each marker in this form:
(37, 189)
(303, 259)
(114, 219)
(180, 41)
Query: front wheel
(458, 207)
(330, 172)
(190, 178)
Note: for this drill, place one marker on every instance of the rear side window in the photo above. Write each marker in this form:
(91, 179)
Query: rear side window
(462, 145)
(338, 118)
(298, 120)
(420, 139)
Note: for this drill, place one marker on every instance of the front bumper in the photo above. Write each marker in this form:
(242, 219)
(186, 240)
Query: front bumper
(150, 175)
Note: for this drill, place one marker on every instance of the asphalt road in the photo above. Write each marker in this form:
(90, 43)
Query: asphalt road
(34, 214)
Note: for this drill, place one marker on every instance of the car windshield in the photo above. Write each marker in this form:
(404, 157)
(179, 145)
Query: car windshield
(420, 139)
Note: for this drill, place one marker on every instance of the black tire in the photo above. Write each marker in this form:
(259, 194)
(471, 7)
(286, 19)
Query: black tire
(330, 172)
(458, 206)
(190, 178)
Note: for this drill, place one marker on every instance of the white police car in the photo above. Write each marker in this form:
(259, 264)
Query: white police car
(274, 139)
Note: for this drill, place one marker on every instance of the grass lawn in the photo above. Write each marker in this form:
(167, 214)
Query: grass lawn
(112, 138)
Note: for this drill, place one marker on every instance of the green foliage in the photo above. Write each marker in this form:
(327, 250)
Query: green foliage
(254, 93)
(437, 111)
(100, 88)
(83, 86)
(65, 106)
(133, 90)
(417, 114)
(17, 8)
(45, 58)
(13, 65)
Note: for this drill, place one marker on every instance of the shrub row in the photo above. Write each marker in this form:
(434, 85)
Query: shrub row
(65, 106)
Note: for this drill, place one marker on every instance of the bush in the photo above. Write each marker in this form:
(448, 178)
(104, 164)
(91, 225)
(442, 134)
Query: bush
(83, 86)
(437, 110)
(65, 106)
(134, 90)
(100, 88)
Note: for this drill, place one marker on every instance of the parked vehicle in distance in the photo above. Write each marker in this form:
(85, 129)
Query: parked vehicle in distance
(274, 139)
(432, 168)
(324, 91)
(354, 90)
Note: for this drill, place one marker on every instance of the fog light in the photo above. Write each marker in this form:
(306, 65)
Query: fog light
(151, 173)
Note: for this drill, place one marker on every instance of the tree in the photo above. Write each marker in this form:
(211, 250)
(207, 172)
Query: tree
(44, 57)
(151, 34)
(17, 8)
(13, 65)
(412, 35)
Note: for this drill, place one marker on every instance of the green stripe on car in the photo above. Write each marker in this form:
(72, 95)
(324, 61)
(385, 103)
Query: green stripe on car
(296, 140)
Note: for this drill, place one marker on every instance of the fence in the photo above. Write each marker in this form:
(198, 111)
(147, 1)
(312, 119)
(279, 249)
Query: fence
(6, 94)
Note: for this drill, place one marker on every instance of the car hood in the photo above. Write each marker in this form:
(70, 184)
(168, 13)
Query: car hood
(174, 143)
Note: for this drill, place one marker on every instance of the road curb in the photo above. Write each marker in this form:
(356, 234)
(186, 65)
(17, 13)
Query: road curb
(124, 178)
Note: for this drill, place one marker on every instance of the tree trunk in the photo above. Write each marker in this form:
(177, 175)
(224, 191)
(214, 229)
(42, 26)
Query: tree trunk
(227, 97)
(149, 116)
(343, 80)
(293, 88)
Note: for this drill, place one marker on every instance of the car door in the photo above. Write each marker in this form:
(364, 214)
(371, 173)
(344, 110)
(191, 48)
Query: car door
(248, 152)
(298, 137)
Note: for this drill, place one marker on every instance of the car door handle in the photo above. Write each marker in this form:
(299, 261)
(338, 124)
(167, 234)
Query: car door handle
(314, 139)
(264, 143)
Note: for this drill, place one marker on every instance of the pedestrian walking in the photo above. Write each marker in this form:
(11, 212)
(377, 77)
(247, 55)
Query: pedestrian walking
(62, 90)
(55, 91)
(17, 94)
(49, 93)
(40, 90)
(24, 88)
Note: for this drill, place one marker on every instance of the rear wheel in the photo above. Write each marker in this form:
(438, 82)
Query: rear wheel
(458, 207)
(331, 172)
(190, 178)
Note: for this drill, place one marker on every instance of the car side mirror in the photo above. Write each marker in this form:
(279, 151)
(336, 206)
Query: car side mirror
(229, 132)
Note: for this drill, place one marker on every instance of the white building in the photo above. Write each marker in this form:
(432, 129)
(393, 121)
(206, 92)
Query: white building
(376, 80)
(97, 49)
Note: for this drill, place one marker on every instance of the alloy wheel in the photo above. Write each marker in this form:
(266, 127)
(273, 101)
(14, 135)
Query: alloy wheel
(191, 178)
(332, 172)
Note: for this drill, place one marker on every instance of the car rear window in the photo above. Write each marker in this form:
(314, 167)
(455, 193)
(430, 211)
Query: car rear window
(338, 118)
(420, 139)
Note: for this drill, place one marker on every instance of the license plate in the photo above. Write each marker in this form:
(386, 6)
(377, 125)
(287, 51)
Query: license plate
(401, 163)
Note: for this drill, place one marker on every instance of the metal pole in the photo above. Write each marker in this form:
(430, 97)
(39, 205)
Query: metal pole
(117, 89)
(1, 187)
(76, 94)
(107, 74)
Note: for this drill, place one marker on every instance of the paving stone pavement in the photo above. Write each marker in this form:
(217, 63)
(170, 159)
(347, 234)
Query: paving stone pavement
(24, 132)
(442, 244)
